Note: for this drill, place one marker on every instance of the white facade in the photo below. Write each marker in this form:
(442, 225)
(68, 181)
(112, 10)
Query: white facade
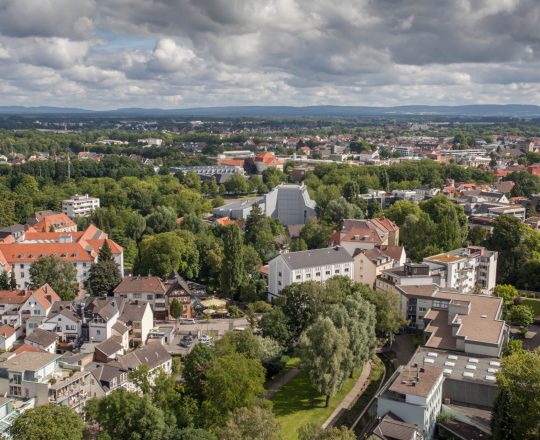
(420, 410)
(99, 329)
(281, 273)
(79, 206)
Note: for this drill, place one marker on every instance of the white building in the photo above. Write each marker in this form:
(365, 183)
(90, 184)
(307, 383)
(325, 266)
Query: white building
(467, 268)
(151, 142)
(414, 394)
(79, 206)
(313, 265)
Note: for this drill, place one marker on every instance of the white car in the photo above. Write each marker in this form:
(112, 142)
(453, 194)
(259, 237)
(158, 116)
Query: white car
(205, 339)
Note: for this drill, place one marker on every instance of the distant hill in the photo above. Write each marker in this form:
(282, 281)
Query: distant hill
(510, 110)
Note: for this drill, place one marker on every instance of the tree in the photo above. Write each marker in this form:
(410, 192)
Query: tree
(176, 308)
(301, 304)
(325, 356)
(4, 281)
(48, 422)
(196, 366)
(12, 281)
(315, 235)
(337, 210)
(521, 315)
(477, 236)
(123, 415)
(312, 431)
(350, 191)
(233, 381)
(400, 210)
(515, 414)
(57, 273)
(250, 424)
(140, 378)
(195, 434)
(232, 274)
(275, 325)
(104, 275)
(135, 227)
(507, 292)
(357, 317)
(163, 219)
(389, 318)
(160, 254)
(236, 184)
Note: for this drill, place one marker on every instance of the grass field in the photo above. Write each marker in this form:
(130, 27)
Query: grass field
(297, 403)
(533, 303)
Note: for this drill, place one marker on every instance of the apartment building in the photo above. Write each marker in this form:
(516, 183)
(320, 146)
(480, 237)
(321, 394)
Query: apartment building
(451, 320)
(313, 265)
(466, 269)
(414, 394)
(148, 289)
(369, 264)
(80, 248)
(366, 234)
(80, 206)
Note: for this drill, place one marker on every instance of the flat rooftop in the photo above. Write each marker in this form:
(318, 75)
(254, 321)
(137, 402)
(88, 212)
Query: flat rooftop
(418, 381)
(458, 365)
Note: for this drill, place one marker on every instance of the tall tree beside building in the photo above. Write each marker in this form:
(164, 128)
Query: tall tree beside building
(104, 275)
(325, 356)
(57, 273)
(176, 308)
(4, 281)
(232, 274)
(12, 281)
(515, 413)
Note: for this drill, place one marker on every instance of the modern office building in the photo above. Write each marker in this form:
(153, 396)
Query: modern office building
(80, 206)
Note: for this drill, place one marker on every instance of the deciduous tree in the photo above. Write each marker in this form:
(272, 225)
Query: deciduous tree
(57, 273)
(48, 422)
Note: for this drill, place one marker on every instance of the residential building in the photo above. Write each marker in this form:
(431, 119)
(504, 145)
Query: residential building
(43, 339)
(8, 336)
(80, 206)
(138, 317)
(108, 377)
(290, 204)
(469, 380)
(150, 142)
(66, 324)
(9, 411)
(414, 394)
(109, 349)
(54, 222)
(408, 274)
(149, 289)
(369, 264)
(313, 265)
(466, 269)
(366, 234)
(27, 375)
(266, 160)
(391, 427)
(153, 354)
(80, 248)
(102, 314)
(11, 302)
(470, 323)
(37, 307)
(177, 288)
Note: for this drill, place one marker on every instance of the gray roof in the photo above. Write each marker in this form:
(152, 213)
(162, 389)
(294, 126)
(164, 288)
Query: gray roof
(392, 427)
(120, 327)
(68, 314)
(42, 337)
(133, 312)
(316, 257)
(105, 373)
(29, 361)
(110, 346)
(153, 354)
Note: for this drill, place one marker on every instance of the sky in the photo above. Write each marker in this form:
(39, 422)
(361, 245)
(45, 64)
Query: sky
(105, 54)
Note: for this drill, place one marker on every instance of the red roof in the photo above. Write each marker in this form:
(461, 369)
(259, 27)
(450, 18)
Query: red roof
(26, 347)
(6, 331)
(14, 296)
(56, 221)
(232, 162)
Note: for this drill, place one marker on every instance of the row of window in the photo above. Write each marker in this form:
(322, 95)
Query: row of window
(318, 274)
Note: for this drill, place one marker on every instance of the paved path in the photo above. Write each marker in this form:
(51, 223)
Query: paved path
(281, 381)
(348, 400)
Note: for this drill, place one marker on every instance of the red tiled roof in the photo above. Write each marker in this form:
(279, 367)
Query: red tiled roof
(232, 162)
(55, 221)
(6, 331)
(25, 347)
(140, 284)
(14, 296)
(30, 252)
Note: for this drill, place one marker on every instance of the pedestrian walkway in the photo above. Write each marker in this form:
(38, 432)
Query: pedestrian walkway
(280, 382)
(351, 397)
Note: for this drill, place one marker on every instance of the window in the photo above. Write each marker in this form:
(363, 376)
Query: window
(317, 274)
(346, 269)
(137, 295)
(422, 309)
(327, 272)
(336, 271)
(298, 277)
(150, 297)
(308, 275)
(98, 332)
(21, 266)
(279, 273)
(279, 283)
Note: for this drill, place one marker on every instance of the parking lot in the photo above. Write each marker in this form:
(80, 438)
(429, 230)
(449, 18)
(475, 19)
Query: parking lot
(215, 328)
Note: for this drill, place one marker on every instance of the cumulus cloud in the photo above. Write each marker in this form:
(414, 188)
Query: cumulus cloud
(219, 52)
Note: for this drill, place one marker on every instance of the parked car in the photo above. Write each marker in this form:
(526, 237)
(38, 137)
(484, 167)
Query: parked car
(188, 321)
(186, 341)
(207, 340)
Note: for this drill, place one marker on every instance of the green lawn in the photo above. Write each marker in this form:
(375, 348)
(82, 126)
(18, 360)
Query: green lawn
(297, 403)
(533, 303)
